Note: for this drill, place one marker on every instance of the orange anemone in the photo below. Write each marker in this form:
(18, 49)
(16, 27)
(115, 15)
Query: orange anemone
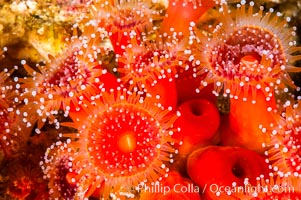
(124, 20)
(147, 62)
(68, 81)
(125, 141)
(285, 151)
(151, 67)
(58, 170)
(13, 133)
(259, 36)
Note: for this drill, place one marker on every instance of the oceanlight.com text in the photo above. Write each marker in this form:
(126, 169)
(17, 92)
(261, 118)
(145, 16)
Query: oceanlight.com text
(248, 189)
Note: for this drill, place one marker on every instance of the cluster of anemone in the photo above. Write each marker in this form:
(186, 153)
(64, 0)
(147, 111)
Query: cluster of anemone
(118, 133)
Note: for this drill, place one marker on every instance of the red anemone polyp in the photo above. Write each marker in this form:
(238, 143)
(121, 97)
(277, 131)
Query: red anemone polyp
(125, 19)
(13, 134)
(285, 151)
(151, 67)
(250, 51)
(125, 141)
(68, 81)
(5, 88)
(58, 170)
(147, 62)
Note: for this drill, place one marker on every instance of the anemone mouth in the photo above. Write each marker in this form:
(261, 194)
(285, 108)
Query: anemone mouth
(238, 171)
(226, 58)
(129, 138)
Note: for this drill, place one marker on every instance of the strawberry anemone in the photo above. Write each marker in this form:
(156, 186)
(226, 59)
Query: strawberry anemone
(125, 141)
(145, 63)
(57, 169)
(13, 132)
(124, 20)
(4, 88)
(285, 151)
(13, 135)
(151, 67)
(68, 81)
(249, 52)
